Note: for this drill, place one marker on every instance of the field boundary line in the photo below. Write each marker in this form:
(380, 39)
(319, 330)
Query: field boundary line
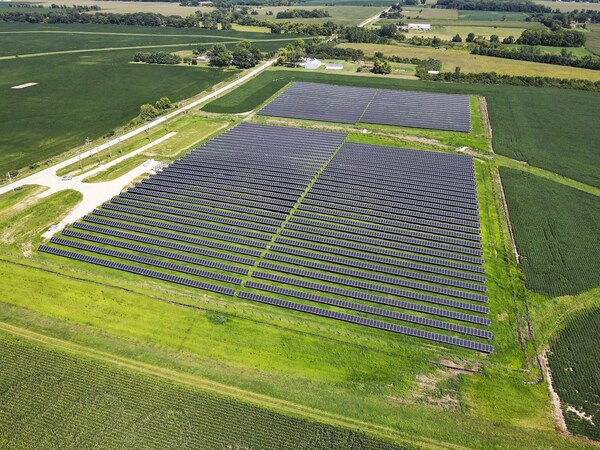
(195, 381)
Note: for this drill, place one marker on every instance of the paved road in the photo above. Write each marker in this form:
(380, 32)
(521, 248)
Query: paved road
(372, 19)
(43, 177)
(95, 194)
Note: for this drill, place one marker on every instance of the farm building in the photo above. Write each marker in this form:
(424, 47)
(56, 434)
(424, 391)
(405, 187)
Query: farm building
(419, 26)
(311, 64)
(332, 66)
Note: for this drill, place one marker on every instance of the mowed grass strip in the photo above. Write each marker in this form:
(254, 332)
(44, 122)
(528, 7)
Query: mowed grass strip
(476, 63)
(53, 399)
(556, 231)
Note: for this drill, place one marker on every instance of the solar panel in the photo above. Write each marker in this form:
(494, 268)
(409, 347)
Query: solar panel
(486, 348)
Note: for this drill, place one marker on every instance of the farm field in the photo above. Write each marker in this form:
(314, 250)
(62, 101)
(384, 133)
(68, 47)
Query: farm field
(522, 116)
(556, 230)
(476, 63)
(496, 16)
(592, 42)
(574, 359)
(576, 51)
(69, 105)
(343, 15)
(568, 6)
(124, 7)
(447, 32)
(50, 398)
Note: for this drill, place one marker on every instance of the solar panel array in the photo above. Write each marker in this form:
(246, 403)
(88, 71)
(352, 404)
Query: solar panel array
(331, 103)
(375, 236)
(209, 215)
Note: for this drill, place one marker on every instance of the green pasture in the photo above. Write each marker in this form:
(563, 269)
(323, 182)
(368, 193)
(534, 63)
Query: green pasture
(592, 40)
(495, 16)
(576, 51)
(557, 234)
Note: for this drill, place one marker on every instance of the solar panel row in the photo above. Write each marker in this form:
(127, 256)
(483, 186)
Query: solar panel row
(149, 261)
(137, 270)
(396, 261)
(370, 297)
(372, 310)
(486, 348)
(378, 268)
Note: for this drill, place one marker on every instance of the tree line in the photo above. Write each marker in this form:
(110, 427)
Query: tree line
(558, 38)
(493, 78)
(302, 13)
(157, 58)
(528, 54)
(494, 5)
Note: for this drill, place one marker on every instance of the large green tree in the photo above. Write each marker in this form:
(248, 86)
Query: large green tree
(245, 55)
(219, 56)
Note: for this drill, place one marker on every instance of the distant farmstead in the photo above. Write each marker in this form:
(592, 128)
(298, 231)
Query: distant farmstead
(419, 26)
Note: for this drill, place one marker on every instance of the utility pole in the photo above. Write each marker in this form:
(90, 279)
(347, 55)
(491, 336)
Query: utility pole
(79, 160)
(10, 181)
(88, 142)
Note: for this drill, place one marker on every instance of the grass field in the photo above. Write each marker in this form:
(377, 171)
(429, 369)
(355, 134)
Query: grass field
(475, 63)
(191, 130)
(556, 229)
(568, 6)
(496, 16)
(592, 42)
(124, 7)
(574, 359)
(50, 398)
(576, 51)
(447, 32)
(343, 15)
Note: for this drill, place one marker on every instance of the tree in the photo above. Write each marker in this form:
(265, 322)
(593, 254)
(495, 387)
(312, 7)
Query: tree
(470, 37)
(388, 31)
(290, 56)
(219, 56)
(381, 66)
(245, 55)
(457, 38)
(494, 39)
(436, 41)
(509, 40)
(148, 112)
(164, 103)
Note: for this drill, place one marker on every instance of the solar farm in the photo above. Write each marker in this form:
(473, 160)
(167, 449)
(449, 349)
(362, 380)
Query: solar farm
(351, 105)
(382, 237)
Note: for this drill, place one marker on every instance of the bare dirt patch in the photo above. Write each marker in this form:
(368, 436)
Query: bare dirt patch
(24, 85)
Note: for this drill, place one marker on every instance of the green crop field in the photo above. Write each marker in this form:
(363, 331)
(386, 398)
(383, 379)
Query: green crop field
(87, 94)
(522, 117)
(496, 16)
(82, 95)
(574, 358)
(557, 234)
(50, 399)
(592, 40)
(568, 6)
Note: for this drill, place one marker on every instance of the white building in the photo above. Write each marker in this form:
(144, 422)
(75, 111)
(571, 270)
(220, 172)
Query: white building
(333, 66)
(419, 26)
